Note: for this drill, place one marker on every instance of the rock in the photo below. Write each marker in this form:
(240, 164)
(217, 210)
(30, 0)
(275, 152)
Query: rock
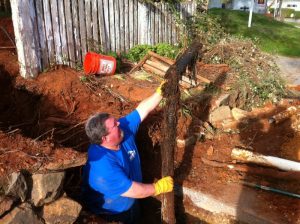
(220, 114)
(17, 186)
(5, 204)
(223, 99)
(238, 114)
(210, 151)
(22, 214)
(63, 210)
(46, 187)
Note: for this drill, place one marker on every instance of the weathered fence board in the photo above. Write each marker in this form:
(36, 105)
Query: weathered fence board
(42, 36)
(63, 33)
(5, 6)
(56, 31)
(68, 29)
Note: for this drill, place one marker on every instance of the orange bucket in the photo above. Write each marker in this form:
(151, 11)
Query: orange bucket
(99, 64)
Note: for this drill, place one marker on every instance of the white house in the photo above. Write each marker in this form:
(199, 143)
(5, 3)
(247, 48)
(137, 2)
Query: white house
(260, 6)
(288, 4)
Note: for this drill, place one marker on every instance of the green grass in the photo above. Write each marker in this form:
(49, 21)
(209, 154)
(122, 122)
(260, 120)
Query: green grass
(270, 35)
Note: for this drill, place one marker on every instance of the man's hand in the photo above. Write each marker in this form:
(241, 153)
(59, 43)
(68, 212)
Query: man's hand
(164, 185)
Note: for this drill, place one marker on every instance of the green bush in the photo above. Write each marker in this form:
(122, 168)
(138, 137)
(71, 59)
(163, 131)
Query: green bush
(139, 51)
(271, 10)
(286, 13)
(297, 15)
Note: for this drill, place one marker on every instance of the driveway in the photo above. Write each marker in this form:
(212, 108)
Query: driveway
(290, 69)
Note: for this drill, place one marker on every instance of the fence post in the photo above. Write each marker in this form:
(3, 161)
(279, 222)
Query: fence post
(26, 35)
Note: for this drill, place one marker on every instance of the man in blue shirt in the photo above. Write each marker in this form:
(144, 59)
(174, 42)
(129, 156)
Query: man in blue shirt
(112, 177)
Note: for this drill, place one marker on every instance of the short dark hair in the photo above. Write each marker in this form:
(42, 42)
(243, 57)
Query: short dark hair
(95, 127)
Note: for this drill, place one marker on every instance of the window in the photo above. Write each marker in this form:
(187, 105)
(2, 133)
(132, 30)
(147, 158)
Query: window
(261, 2)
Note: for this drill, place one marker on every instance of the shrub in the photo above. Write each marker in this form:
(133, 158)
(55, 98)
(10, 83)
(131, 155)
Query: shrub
(297, 15)
(137, 52)
(286, 13)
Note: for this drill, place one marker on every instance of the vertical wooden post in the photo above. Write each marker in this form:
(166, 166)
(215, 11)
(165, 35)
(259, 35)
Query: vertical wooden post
(172, 94)
(26, 35)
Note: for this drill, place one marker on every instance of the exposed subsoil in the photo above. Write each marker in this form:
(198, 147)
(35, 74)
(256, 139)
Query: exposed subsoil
(41, 127)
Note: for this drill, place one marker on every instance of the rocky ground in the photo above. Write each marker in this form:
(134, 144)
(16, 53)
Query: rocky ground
(42, 120)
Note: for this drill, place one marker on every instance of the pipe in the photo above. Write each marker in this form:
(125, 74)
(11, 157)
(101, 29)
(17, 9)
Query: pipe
(248, 156)
(271, 189)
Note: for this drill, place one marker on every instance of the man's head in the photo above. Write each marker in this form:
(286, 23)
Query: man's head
(103, 129)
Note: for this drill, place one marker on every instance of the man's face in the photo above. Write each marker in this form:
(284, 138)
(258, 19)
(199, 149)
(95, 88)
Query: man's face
(115, 134)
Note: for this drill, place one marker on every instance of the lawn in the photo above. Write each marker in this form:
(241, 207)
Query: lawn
(272, 36)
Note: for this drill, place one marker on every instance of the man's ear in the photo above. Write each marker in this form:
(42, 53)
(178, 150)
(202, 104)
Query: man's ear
(104, 139)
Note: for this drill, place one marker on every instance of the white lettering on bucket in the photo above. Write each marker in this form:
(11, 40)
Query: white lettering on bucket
(105, 67)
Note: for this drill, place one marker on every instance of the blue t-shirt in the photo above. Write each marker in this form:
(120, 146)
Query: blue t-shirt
(108, 173)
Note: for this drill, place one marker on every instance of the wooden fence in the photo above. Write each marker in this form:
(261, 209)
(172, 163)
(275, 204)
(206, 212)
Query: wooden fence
(4, 6)
(62, 31)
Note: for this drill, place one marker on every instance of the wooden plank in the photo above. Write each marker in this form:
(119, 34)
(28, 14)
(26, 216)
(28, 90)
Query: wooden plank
(42, 35)
(149, 23)
(117, 25)
(112, 25)
(152, 69)
(131, 12)
(70, 37)
(101, 25)
(88, 24)
(152, 29)
(174, 33)
(82, 27)
(127, 35)
(95, 29)
(161, 24)
(167, 60)
(157, 65)
(55, 29)
(107, 25)
(122, 25)
(141, 62)
(135, 20)
(156, 23)
(26, 37)
(63, 33)
(49, 33)
(76, 31)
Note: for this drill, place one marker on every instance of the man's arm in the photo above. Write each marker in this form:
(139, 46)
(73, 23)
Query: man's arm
(149, 104)
(140, 190)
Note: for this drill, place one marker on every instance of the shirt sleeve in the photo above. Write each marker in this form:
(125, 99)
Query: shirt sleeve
(108, 178)
(131, 122)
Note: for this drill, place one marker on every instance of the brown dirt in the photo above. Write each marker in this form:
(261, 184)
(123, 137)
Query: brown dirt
(41, 121)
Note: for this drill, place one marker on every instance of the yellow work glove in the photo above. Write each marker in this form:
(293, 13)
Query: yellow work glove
(158, 90)
(164, 185)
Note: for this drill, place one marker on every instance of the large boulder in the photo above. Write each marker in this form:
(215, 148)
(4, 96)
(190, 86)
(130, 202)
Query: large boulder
(22, 214)
(64, 210)
(17, 186)
(46, 187)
